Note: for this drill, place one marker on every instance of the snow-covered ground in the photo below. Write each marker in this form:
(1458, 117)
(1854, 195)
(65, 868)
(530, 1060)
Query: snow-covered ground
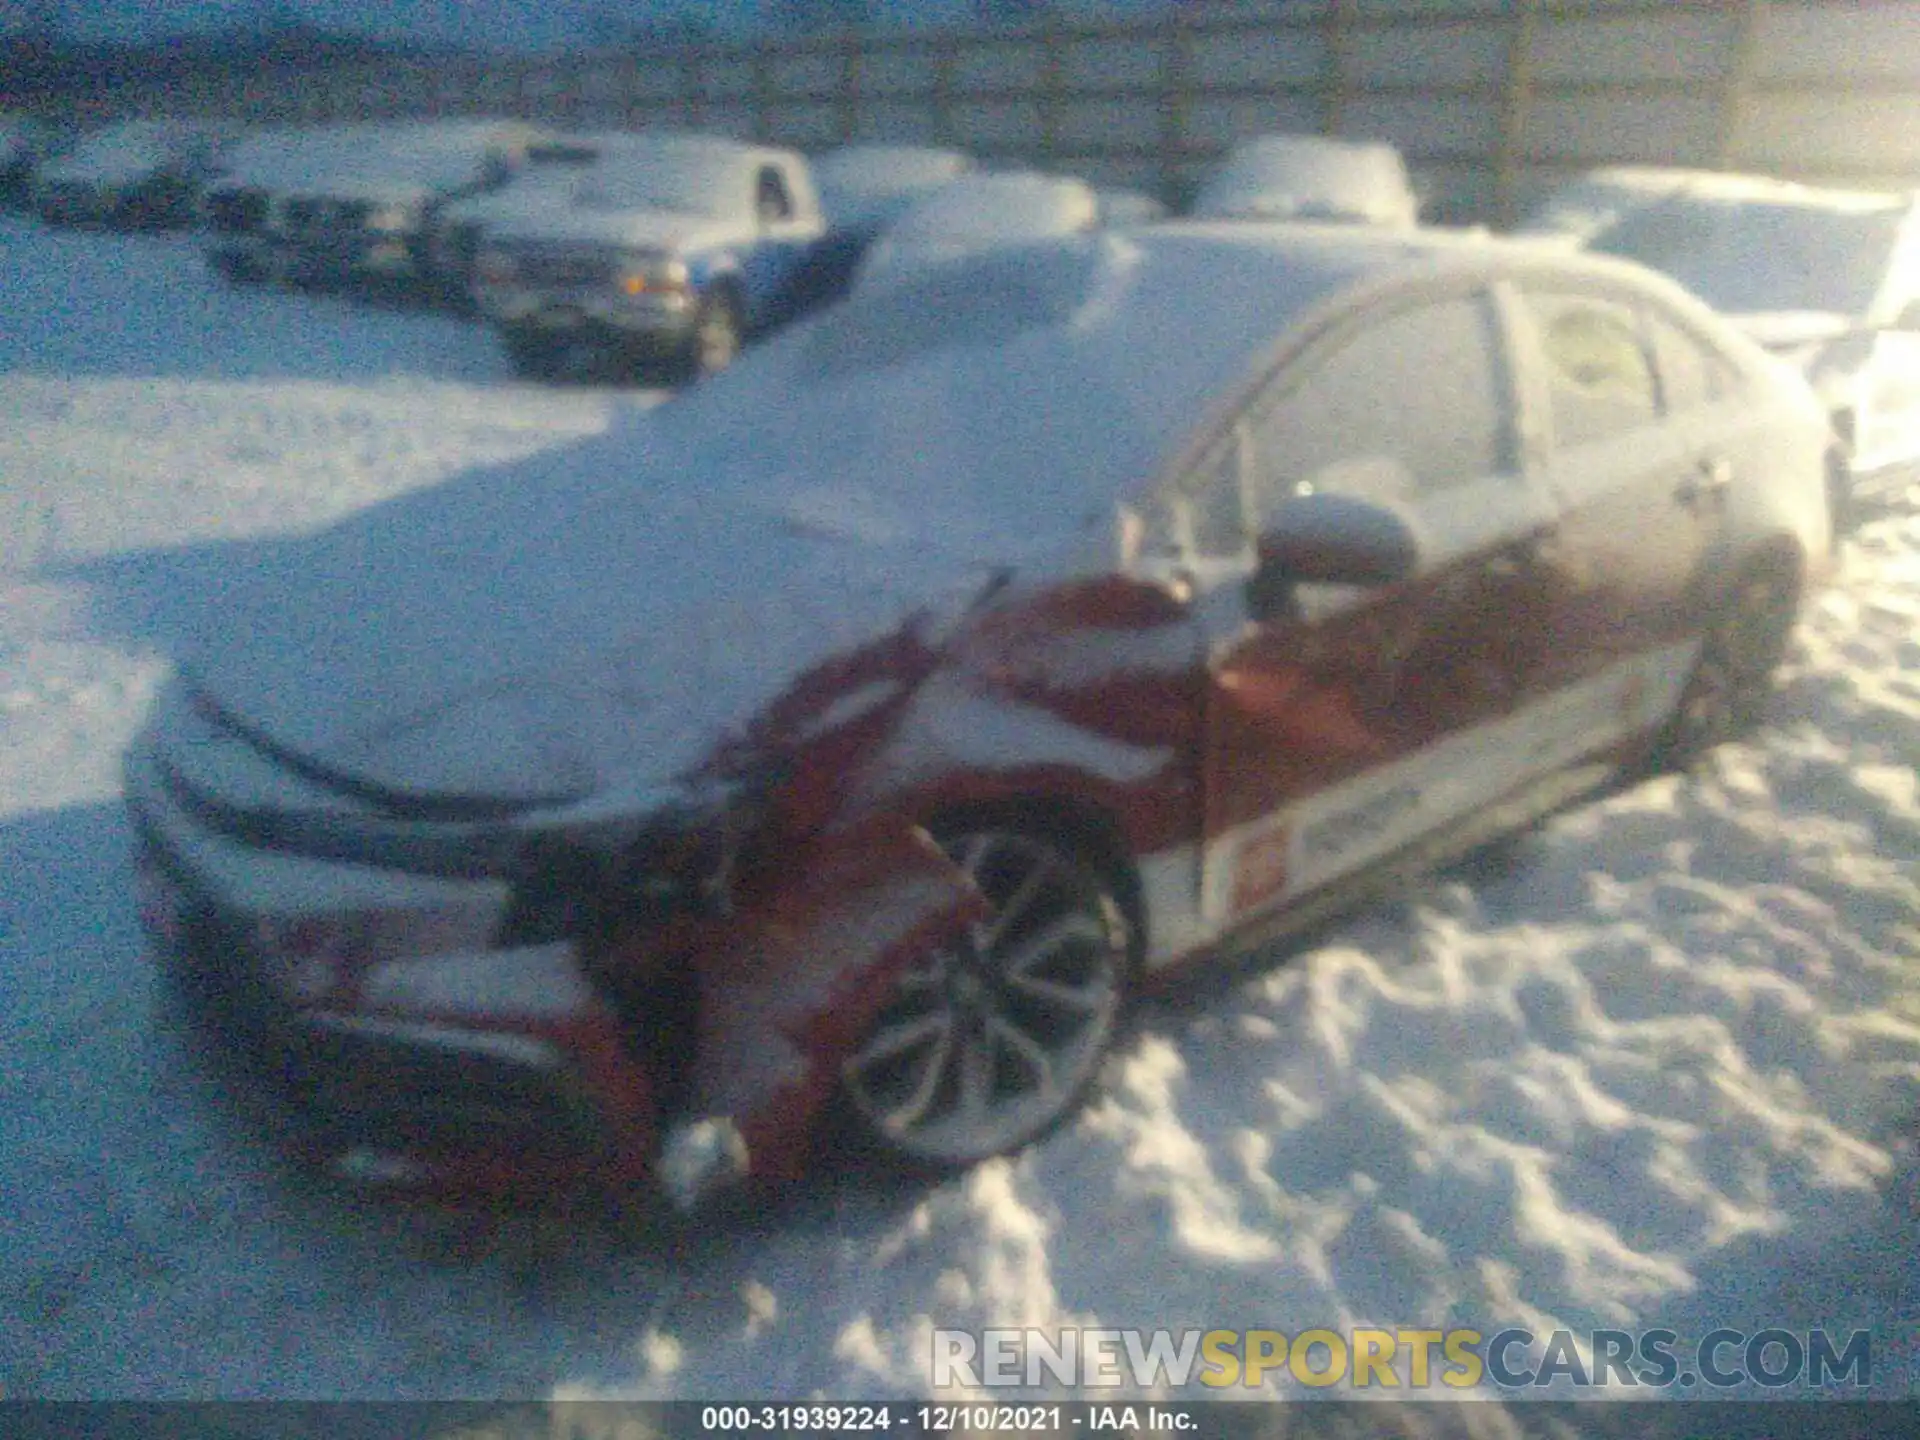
(1664, 1072)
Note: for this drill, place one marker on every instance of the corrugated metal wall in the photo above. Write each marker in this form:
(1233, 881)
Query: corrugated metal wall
(1489, 100)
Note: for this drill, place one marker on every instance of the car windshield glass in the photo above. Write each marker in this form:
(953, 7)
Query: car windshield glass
(685, 184)
(1746, 257)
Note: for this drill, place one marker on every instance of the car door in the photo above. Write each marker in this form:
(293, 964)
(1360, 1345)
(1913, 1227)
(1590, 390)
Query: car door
(1345, 721)
(1641, 478)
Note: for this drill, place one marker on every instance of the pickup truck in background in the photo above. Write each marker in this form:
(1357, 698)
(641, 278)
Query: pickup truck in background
(366, 221)
(237, 210)
(134, 174)
(545, 183)
(660, 267)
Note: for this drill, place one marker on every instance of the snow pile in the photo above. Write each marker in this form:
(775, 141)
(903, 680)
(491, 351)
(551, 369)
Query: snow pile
(977, 213)
(1657, 1074)
(866, 185)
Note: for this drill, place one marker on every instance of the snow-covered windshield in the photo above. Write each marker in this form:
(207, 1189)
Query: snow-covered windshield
(1751, 256)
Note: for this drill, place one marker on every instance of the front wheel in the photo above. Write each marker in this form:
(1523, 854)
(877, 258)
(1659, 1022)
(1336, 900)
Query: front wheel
(716, 340)
(992, 1041)
(1726, 696)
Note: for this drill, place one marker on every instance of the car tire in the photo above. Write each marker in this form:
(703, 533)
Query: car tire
(1744, 643)
(717, 337)
(990, 1044)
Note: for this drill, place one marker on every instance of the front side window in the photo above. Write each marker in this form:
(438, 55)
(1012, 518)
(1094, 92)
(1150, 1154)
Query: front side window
(1692, 372)
(1600, 377)
(1410, 406)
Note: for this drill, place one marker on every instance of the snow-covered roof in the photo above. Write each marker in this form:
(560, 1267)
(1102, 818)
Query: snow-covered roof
(1310, 177)
(703, 175)
(980, 212)
(130, 148)
(1750, 245)
(870, 184)
(377, 159)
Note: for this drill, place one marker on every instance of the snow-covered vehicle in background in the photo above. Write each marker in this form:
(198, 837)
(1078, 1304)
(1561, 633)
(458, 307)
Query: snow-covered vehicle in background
(662, 265)
(136, 174)
(26, 143)
(863, 189)
(1829, 280)
(368, 218)
(975, 213)
(545, 182)
(1310, 177)
(1573, 213)
(237, 209)
(851, 738)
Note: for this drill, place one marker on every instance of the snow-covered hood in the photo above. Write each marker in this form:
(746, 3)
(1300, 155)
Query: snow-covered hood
(627, 229)
(530, 198)
(382, 188)
(592, 629)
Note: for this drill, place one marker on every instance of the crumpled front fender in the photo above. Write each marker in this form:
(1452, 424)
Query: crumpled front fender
(809, 972)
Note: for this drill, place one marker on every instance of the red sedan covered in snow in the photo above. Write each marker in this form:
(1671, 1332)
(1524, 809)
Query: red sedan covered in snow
(854, 735)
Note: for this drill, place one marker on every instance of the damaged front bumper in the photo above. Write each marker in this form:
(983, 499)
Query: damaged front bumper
(399, 1039)
(603, 995)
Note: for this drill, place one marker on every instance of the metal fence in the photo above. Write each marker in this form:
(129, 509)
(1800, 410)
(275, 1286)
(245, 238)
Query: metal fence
(1489, 99)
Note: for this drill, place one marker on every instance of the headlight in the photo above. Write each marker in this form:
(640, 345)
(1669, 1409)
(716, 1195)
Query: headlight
(391, 217)
(643, 277)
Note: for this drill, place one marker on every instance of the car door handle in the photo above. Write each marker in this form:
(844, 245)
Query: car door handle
(1707, 481)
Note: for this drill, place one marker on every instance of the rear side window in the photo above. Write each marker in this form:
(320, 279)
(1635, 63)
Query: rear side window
(1410, 406)
(1692, 373)
(1600, 377)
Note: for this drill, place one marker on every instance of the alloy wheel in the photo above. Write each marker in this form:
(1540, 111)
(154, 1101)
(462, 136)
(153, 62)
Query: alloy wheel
(1727, 694)
(991, 1041)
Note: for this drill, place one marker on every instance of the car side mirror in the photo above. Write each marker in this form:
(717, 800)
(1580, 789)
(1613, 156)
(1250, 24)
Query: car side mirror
(1331, 539)
(1909, 317)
